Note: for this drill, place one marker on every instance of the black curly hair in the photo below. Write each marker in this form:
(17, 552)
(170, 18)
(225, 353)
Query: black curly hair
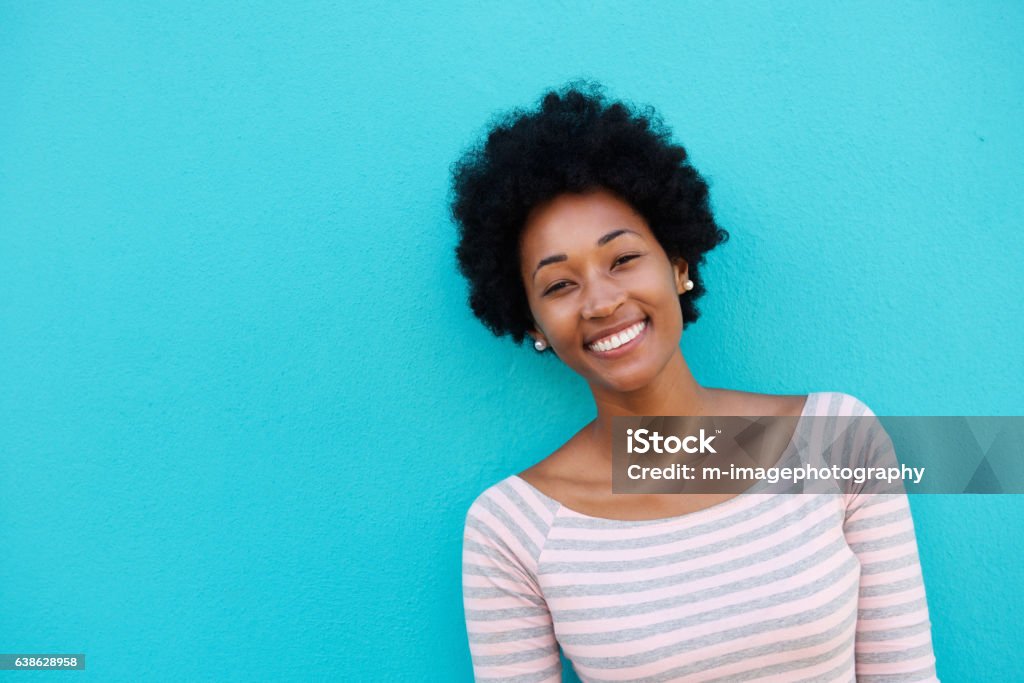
(577, 141)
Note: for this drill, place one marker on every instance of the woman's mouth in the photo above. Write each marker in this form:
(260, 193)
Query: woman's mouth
(620, 342)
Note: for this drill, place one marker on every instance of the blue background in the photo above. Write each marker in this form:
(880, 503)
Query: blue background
(243, 404)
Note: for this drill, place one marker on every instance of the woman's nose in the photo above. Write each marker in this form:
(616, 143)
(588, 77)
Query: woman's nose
(603, 298)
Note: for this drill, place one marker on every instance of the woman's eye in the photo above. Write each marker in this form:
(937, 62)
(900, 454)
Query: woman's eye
(625, 258)
(555, 287)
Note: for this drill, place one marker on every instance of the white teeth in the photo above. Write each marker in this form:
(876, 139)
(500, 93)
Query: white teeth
(620, 338)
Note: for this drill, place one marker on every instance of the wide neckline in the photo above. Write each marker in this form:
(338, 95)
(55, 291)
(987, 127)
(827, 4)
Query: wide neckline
(787, 453)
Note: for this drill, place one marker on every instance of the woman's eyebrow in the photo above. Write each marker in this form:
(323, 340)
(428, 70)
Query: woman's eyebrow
(603, 240)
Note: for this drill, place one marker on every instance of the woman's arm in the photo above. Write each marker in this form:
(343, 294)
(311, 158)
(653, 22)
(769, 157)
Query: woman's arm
(509, 626)
(893, 640)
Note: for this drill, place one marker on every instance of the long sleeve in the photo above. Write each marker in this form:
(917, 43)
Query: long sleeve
(893, 636)
(510, 631)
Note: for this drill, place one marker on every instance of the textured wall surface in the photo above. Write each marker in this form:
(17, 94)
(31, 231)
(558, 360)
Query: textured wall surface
(243, 405)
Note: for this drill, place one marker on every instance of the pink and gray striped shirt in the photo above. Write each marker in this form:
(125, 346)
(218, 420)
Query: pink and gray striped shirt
(784, 587)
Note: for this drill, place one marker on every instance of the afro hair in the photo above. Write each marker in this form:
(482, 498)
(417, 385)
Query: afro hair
(576, 142)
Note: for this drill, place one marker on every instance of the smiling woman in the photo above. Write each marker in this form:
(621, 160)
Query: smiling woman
(584, 227)
(605, 300)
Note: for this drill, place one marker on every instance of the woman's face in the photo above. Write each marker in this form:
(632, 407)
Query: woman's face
(594, 272)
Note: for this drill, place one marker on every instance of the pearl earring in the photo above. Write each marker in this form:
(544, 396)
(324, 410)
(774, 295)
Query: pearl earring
(539, 345)
(688, 285)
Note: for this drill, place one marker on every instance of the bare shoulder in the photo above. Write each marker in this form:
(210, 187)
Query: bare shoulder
(581, 481)
(745, 403)
(558, 475)
(563, 466)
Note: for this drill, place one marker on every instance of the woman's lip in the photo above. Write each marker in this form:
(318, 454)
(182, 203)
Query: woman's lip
(625, 348)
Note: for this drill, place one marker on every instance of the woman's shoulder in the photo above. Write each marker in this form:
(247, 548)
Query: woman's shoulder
(509, 520)
(816, 403)
(836, 404)
(512, 503)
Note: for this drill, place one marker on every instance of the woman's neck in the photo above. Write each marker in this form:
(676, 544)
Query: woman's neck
(674, 391)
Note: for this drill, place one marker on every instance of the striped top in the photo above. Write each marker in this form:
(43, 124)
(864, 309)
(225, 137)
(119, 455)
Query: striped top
(783, 586)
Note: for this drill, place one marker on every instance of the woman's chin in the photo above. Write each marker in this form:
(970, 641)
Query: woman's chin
(626, 377)
(624, 382)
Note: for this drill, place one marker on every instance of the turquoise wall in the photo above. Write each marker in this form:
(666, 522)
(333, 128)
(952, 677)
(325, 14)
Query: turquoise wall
(243, 405)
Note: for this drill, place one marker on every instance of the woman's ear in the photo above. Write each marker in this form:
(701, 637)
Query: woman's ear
(680, 273)
(538, 337)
